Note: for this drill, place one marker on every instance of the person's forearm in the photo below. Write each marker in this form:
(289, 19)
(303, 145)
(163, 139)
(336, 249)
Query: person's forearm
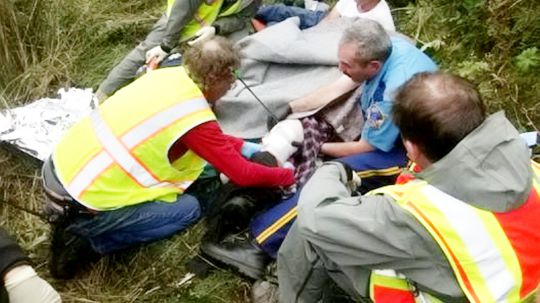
(221, 151)
(333, 14)
(325, 184)
(239, 20)
(324, 95)
(343, 149)
(182, 13)
(11, 254)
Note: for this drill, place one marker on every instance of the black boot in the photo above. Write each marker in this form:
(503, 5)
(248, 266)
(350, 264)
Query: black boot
(69, 253)
(240, 253)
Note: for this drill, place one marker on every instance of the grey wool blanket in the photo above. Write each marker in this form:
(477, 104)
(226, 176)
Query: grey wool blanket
(280, 64)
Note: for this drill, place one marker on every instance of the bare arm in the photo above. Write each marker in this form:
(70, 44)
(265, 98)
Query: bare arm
(324, 95)
(332, 15)
(343, 149)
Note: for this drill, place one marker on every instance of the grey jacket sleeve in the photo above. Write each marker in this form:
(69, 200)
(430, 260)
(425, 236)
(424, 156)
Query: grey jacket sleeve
(370, 232)
(329, 217)
(230, 24)
(182, 13)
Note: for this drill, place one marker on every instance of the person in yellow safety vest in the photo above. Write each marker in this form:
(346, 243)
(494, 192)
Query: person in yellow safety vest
(464, 229)
(124, 169)
(183, 20)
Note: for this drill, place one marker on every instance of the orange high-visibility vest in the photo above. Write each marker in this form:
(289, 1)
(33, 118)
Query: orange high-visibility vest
(495, 256)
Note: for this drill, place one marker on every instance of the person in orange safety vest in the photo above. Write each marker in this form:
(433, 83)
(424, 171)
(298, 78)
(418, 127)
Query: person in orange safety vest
(465, 228)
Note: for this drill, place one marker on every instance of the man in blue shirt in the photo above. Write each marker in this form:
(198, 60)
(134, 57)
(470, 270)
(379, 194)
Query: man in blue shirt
(377, 64)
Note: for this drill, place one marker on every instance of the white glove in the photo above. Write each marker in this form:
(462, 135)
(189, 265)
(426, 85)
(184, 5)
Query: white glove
(223, 178)
(204, 34)
(279, 141)
(25, 286)
(155, 55)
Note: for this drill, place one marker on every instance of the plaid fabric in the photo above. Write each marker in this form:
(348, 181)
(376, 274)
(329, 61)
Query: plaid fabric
(316, 132)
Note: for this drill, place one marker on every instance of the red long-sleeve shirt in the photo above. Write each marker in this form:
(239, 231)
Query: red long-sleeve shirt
(222, 151)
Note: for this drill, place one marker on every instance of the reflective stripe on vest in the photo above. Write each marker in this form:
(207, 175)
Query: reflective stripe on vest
(118, 156)
(387, 286)
(117, 150)
(495, 259)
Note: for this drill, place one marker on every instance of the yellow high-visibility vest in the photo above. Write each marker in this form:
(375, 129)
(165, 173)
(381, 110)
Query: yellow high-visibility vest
(206, 14)
(495, 256)
(118, 156)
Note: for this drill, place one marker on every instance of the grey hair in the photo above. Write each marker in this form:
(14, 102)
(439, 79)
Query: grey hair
(372, 41)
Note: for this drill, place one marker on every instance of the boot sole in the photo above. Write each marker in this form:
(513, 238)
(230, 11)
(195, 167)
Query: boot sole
(246, 270)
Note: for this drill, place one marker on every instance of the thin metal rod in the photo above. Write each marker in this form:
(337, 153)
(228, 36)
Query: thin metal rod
(259, 100)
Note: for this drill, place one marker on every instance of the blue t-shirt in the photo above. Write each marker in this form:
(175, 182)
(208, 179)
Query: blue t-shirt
(378, 92)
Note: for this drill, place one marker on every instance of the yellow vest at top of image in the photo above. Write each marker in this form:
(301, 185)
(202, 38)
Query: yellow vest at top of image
(118, 156)
(206, 14)
(428, 205)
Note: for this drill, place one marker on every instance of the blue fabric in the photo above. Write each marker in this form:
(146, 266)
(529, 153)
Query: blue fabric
(275, 13)
(376, 160)
(114, 230)
(378, 93)
(249, 148)
(286, 210)
(265, 220)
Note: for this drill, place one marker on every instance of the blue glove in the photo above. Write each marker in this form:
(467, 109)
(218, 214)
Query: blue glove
(249, 148)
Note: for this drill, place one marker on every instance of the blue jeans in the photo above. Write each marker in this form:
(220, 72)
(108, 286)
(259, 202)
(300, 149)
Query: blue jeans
(275, 13)
(110, 231)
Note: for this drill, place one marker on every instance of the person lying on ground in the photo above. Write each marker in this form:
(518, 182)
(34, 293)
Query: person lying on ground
(366, 54)
(20, 282)
(182, 21)
(377, 10)
(463, 229)
(124, 169)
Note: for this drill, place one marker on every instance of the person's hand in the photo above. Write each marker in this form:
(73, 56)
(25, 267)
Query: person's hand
(25, 286)
(348, 177)
(249, 148)
(155, 55)
(204, 34)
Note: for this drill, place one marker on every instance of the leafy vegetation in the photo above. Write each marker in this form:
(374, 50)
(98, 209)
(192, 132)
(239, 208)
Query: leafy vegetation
(492, 43)
(45, 45)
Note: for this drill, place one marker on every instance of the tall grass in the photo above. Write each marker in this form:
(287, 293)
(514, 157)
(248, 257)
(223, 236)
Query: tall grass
(49, 44)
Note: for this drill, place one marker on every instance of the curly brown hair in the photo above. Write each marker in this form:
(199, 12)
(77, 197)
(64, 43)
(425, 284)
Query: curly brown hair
(212, 61)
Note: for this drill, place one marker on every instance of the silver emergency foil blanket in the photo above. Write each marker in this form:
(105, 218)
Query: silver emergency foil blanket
(35, 128)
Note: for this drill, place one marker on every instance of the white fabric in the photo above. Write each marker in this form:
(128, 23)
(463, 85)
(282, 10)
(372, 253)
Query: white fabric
(19, 274)
(155, 54)
(203, 34)
(380, 13)
(279, 141)
(24, 286)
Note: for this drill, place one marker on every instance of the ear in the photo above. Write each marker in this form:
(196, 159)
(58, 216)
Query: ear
(374, 67)
(413, 152)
